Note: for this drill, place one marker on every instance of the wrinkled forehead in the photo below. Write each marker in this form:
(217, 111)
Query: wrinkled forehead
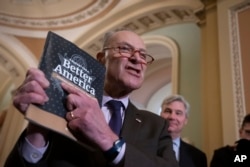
(128, 37)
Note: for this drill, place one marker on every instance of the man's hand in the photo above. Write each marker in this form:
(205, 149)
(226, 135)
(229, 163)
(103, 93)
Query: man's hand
(31, 90)
(86, 118)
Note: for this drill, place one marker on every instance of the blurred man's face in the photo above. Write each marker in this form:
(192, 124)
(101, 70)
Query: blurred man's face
(245, 132)
(175, 113)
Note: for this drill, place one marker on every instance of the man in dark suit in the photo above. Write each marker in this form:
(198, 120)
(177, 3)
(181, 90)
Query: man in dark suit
(175, 109)
(142, 140)
(227, 155)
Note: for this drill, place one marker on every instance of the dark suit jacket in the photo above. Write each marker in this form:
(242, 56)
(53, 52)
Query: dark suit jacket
(191, 156)
(147, 144)
(225, 156)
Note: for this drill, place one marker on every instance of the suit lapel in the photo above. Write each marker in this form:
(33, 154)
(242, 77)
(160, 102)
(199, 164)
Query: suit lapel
(185, 159)
(132, 123)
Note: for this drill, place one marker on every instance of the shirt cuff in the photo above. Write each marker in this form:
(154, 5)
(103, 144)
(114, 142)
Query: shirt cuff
(120, 155)
(31, 153)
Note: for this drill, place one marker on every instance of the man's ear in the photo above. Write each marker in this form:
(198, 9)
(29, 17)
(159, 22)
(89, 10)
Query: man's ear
(101, 57)
(240, 131)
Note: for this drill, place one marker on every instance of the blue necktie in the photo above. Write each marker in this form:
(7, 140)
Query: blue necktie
(115, 122)
(176, 150)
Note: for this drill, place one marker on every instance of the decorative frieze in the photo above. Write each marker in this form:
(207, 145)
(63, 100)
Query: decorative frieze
(239, 101)
(82, 16)
(151, 20)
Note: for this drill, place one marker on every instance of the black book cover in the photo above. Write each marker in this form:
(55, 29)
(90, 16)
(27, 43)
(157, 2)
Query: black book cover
(63, 61)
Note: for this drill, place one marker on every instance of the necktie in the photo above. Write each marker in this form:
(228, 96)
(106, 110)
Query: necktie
(115, 122)
(176, 150)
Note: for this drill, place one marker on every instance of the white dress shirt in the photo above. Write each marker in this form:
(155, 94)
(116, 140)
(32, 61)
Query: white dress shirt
(33, 155)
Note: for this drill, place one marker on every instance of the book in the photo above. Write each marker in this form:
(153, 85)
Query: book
(63, 61)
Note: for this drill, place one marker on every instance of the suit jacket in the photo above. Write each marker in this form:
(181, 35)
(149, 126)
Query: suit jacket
(148, 144)
(191, 156)
(225, 156)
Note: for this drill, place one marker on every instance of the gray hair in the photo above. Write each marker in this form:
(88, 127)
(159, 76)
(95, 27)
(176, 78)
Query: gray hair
(170, 99)
(109, 34)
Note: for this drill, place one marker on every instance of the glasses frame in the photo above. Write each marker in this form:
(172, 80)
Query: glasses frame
(133, 51)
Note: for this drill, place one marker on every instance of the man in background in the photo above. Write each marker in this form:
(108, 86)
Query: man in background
(227, 155)
(175, 109)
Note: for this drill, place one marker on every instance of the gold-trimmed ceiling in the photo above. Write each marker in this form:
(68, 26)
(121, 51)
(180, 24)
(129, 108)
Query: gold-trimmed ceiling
(143, 20)
(52, 14)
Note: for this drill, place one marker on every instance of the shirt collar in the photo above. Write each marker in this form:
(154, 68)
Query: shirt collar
(107, 98)
(177, 141)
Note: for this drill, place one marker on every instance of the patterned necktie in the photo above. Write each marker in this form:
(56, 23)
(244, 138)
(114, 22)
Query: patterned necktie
(115, 122)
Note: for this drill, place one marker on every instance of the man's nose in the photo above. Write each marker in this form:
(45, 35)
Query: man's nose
(136, 57)
(136, 54)
(172, 115)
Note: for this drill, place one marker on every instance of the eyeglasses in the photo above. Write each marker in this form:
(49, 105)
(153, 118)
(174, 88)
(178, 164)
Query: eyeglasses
(128, 52)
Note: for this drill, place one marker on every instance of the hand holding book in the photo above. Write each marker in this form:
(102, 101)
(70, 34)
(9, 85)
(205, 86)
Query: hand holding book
(63, 62)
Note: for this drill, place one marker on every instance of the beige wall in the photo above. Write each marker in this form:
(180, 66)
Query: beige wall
(210, 81)
(231, 67)
(224, 65)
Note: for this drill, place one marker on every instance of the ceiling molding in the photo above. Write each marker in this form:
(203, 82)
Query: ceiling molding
(144, 19)
(15, 58)
(88, 12)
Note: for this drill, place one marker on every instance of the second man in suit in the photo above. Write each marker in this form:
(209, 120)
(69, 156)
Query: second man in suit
(175, 109)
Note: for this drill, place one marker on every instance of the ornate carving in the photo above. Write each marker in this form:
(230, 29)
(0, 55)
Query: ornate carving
(80, 17)
(152, 20)
(32, 2)
(236, 63)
